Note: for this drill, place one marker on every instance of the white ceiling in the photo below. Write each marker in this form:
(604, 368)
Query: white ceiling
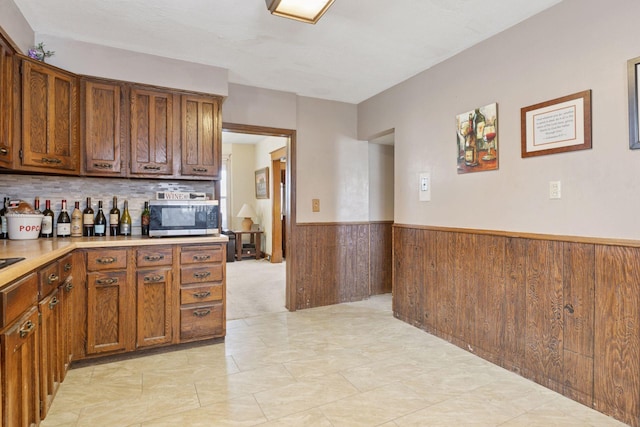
(358, 49)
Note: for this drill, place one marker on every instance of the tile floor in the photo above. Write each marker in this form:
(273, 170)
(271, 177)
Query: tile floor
(344, 365)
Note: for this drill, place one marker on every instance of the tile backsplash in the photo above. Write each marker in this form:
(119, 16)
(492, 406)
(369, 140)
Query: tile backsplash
(56, 188)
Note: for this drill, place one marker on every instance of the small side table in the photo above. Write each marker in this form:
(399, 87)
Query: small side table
(255, 237)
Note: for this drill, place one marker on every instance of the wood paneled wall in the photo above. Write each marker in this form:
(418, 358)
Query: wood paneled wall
(560, 311)
(341, 262)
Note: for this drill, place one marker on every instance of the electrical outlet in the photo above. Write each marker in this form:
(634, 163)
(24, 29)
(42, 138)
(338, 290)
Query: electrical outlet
(555, 190)
(315, 205)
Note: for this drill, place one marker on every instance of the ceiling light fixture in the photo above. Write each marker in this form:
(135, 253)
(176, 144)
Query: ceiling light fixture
(309, 11)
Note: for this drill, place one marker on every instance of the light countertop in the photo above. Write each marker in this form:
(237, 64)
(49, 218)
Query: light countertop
(38, 252)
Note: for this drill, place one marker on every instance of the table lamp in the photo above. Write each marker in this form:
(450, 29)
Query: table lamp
(246, 212)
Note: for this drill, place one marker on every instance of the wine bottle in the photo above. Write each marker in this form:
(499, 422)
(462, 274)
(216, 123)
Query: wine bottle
(4, 232)
(125, 221)
(100, 226)
(87, 220)
(47, 221)
(76, 221)
(36, 205)
(145, 217)
(470, 149)
(114, 218)
(63, 227)
(479, 122)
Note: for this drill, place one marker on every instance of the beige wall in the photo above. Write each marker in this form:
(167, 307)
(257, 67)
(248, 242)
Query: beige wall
(14, 24)
(242, 187)
(381, 169)
(574, 46)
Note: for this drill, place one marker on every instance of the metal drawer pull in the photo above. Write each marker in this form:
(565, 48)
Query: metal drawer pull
(52, 278)
(27, 328)
(200, 169)
(103, 165)
(107, 260)
(68, 286)
(48, 160)
(202, 275)
(201, 294)
(201, 313)
(4, 151)
(67, 267)
(154, 257)
(54, 301)
(201, 257)
(151, 168)
(109, 281)
(156, 278)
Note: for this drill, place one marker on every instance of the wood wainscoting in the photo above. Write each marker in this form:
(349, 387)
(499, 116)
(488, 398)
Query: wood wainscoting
(341, 262)
(561, 311)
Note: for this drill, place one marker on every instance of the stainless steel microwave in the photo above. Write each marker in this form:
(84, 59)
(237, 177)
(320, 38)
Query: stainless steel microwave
(183, 218)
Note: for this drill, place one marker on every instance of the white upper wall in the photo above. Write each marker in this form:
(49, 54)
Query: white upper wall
(574, 46)
(103, 61)
(260, 107)
(15, 26)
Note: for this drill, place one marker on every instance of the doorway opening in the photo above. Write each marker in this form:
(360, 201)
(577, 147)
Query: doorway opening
(277, 210)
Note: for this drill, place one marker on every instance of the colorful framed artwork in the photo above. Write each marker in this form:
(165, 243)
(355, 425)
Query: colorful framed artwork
(477, 139)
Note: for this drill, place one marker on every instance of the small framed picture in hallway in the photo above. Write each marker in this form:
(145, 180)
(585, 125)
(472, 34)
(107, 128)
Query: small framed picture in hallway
(262, 183)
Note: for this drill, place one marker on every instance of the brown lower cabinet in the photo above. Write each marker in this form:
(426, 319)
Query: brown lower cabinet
(96, 302)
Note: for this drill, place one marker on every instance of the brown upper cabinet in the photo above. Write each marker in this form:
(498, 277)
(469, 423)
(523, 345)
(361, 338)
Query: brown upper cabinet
(6, 104)
(50, 141)
(101, 108)
(152, 131)
(201, 134)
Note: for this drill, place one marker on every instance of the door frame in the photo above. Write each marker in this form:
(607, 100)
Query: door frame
(290, 206)
(276, 211)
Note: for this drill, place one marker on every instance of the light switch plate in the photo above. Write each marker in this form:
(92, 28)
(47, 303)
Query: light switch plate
(555, 190)
(424, 187)
(315, 205)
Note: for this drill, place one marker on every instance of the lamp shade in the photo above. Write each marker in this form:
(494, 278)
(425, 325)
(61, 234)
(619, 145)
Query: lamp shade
(246, 211)
(309, 11)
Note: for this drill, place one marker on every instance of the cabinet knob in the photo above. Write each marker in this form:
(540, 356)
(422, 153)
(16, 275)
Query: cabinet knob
(67, 267)
(201, 313)
(569, 308)
(27, 328)
(4, 151)
(156, 278)
(201, 257)
(54, 301)
(151, 168)
(103, 165)
(51, 161)
(201, 294)
(154, 257)
(106, 260)
(69, 286)
(52, 278)
(202, 275)
(108, 281)
(200, 169)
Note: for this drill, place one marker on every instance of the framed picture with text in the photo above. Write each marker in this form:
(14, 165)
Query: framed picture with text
(557, 126)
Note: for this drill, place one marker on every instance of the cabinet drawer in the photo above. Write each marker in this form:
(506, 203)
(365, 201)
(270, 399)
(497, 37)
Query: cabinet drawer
(201, 254)
(17, 297)
(112, 278)
(199, 294)
(66, 267)
(149, 257)
(197, 274)
(24, 328)
(107, 259)
(49, 279)
(200, 321)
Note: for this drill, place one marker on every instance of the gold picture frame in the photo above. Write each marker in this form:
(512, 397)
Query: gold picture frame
(262, 183)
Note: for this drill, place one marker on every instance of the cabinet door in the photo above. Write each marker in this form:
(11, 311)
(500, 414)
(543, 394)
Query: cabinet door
(201, 133)
(108, 310)
(51, 349)
(49, 119)
(101, 128)
(155, 298)
(21, 397)
(152, 139)
(6, 104)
